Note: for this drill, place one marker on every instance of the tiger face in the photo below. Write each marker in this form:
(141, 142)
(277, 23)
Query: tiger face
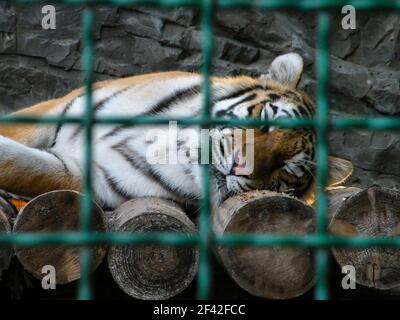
(281, 159)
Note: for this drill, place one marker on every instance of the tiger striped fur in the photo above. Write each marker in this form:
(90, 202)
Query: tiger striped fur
(38, 158)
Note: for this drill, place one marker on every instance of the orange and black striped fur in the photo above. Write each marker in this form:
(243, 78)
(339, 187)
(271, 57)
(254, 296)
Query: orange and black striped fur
(38, 158)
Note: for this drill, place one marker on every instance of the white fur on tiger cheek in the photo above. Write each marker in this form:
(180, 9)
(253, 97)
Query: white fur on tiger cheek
(293, 165)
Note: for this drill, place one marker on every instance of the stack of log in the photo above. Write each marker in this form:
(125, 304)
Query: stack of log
(150, 271)
(143, 271)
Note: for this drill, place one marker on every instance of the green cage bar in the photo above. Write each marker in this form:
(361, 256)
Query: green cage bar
(84, 292)
(321, 291)
(264, 4)
(204, 276)
(205, 239)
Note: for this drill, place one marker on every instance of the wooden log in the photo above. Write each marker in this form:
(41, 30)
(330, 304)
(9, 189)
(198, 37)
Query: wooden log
(374, 212)
(277, 272)
(57, 211)
(7, 215)
(337, 196)
(152, 271)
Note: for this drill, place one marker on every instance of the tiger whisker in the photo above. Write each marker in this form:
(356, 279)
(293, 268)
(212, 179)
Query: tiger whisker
(309, 170)
(310, 162)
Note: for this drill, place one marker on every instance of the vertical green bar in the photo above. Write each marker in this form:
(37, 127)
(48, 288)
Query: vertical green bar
(204, 276)
(321, 290)
(84, 292)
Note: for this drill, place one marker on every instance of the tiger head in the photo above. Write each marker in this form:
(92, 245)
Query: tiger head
(272, 158)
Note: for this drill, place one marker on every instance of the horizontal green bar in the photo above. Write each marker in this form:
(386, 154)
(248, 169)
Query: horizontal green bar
(312, 240)
(75, 238)
(146, 120)
(310, 4)
(117, 238)
(265, 4)
(381, 123)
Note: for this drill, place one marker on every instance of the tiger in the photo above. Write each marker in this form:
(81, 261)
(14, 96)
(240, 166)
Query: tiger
(38, 158)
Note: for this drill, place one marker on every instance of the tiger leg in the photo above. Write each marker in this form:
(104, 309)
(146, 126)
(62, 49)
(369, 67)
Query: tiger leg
(29, 172)
(38, 135)
(31, 134)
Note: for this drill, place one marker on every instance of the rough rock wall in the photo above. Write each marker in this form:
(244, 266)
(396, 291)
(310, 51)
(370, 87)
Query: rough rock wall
(37, 64)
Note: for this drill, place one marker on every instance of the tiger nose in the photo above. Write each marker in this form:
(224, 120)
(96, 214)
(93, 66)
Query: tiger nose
(239, 167)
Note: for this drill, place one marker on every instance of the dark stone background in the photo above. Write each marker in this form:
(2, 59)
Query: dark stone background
(37, 64)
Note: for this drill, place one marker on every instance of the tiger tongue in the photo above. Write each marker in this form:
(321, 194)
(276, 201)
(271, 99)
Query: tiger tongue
(241, 170)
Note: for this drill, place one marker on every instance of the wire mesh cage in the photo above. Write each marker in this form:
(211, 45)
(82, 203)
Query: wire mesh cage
(205, 239)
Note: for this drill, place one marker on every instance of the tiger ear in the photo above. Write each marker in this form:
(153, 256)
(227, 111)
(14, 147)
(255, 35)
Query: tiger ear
(286, 69)
(339, 171)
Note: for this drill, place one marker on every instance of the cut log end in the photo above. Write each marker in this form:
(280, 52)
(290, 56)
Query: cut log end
(152, 271)
(7, 214)
(337, 196)
(57, 211)
(275, 272)
(374, 212)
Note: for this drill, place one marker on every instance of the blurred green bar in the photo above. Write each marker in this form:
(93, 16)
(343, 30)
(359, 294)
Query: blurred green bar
(321, 257)
(311, 240)
(122, 238)
(93, 238)
(310, 4)
(204, 274)
(379, 123)
(84, 288)
(264, 4)
(147, 120)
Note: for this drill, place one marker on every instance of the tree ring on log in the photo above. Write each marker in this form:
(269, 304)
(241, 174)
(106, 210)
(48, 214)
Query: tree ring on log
(7, 213)
(152, 271)
(373, 212)
(277, 272)
(57, 211)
